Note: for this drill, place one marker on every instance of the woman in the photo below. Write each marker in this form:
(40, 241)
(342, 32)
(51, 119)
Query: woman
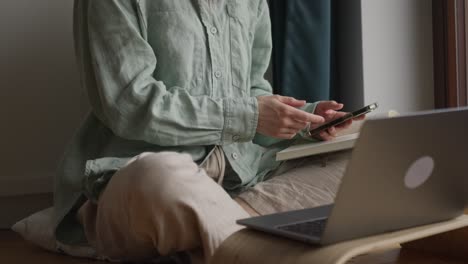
(180, 112)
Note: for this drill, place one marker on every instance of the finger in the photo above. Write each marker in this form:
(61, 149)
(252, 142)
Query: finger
(330, 105)
(296, 125)
(292, 101)
(330, 114)
(362, 117)
(332, 131)
(325, 136)
(339, 114)
(304, 116)
(345, 124)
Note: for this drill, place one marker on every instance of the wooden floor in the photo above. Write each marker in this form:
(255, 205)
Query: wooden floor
(14, 250)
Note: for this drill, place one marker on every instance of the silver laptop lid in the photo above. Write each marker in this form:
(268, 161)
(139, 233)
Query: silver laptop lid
(405, 171)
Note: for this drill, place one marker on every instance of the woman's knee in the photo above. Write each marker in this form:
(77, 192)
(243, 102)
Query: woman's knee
(160, 175)
(161, 168)
(139, 198)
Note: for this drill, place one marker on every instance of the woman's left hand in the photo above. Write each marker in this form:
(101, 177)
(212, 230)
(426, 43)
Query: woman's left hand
(330, 111)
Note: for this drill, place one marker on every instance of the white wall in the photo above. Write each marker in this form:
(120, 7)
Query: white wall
(41, 102)
(397, 54)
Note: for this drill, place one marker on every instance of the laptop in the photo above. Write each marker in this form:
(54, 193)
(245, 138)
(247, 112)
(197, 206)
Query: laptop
(404, 172)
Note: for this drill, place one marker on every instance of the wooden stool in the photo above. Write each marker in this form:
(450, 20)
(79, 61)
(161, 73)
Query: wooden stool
(249, 246)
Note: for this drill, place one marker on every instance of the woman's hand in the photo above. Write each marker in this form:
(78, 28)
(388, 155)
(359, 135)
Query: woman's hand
(329, 110)
(279, 117)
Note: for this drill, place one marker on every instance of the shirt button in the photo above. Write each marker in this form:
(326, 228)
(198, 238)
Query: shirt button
(218, 74)
(214, 30)
(235, 138)
(235, 156)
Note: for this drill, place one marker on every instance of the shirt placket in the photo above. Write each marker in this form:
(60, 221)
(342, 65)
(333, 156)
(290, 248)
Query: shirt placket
(214, 36)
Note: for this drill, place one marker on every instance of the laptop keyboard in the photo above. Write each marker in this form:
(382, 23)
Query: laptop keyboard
(310, 228)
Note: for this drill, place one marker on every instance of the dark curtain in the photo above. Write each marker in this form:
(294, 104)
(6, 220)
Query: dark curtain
(303, 48)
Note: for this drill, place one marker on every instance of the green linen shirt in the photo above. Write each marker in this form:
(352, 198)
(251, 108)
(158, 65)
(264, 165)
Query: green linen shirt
(166, 75)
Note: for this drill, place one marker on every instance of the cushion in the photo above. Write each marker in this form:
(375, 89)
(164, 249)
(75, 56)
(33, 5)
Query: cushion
(39, 229)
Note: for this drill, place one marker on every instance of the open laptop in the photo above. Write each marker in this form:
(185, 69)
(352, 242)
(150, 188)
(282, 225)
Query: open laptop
(404, 172)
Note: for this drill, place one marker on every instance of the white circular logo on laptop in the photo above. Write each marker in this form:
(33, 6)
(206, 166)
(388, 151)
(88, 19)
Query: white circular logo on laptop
(419, 172)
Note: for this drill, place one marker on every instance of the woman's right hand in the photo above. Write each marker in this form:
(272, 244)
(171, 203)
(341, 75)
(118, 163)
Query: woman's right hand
(279, 117)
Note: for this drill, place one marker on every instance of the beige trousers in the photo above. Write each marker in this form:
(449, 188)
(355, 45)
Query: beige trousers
(162, 203)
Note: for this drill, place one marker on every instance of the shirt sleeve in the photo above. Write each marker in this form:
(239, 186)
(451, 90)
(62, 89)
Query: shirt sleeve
(137, 106)
(261, 52)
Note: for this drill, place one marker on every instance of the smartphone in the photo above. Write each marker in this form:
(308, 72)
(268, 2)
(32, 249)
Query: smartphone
(348, 116)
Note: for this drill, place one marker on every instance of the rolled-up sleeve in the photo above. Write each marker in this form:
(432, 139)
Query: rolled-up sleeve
(135, 105)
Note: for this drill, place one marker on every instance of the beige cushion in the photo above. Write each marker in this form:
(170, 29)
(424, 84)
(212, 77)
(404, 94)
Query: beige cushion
(39, 229)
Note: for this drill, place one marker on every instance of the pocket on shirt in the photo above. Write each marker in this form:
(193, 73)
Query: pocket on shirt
(151, 6)
(177, 40)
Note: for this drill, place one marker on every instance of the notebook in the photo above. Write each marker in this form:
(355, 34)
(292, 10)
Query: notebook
(307, 148)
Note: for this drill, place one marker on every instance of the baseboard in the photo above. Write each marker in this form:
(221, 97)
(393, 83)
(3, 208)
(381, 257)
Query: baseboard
(15, 208)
